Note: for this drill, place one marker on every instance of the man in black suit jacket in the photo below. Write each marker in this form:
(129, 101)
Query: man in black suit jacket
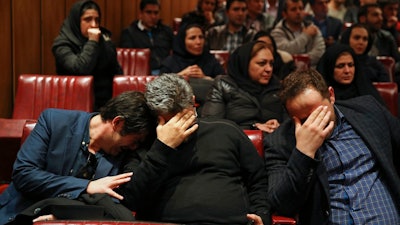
(333, 163)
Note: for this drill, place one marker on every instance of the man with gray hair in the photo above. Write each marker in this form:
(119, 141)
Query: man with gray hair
(214, 177)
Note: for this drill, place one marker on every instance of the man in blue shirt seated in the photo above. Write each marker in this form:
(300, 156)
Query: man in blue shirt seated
(334, 162)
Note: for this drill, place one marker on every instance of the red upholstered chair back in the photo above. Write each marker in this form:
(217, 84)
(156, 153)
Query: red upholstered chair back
(38, 92)
(302, 61)
(122, 83)
(256, 136)
(389, 93)
(10, 142)
(28, 127)
(222, 56)
(389, 64)
(134, 60)
(176, 23)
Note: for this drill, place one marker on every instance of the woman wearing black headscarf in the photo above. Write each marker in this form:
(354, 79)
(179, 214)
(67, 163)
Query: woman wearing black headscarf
(359, 38)
(340, 69)
(85, 48)
(283, 61)
(248, 94)
(193, 60)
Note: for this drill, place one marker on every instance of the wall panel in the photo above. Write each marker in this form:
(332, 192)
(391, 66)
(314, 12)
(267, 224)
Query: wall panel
(26, 37)
(53, 15)
(28, 29)
(6, 75)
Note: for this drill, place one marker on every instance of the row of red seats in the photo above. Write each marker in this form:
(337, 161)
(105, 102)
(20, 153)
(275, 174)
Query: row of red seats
(38, 92)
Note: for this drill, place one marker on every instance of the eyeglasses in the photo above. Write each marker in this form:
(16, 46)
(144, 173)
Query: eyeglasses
(88, 170)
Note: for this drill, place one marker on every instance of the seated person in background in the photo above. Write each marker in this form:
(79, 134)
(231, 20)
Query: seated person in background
(337, 9)
(85, 48)
(248, 94)
(360, 40)
(295, 35)
(203, 15)
(390, 13)
(340, 69)
(283, 61)
(149, 32)
(330, 27)
(234, 33)
(192, 59)
(256, 17)
(384, 44)
(334, 162)
(214, 177)
(69, 153)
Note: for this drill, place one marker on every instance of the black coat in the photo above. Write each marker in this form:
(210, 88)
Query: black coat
(298, 185)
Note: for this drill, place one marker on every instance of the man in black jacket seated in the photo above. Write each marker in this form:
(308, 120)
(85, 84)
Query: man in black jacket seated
(214, 177)
(334, 162)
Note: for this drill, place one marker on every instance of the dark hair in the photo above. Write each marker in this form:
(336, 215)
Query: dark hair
(295, 83)
(90, 5)
(132, 107)
(200, 2)
(285, 4)
(143, 3)
(345, 37)
(229, 3)
(363, 11)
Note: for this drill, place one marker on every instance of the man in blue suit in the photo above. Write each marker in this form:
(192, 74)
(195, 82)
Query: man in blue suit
(70, 153)
(334, 162)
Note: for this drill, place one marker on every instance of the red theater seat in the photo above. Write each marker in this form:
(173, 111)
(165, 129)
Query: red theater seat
(389, 64)
(37, 92)
(134, 61)
(122, 83)
(10, 141)
(389, 93)
(302, 61)
(256, 136)
(222, 56)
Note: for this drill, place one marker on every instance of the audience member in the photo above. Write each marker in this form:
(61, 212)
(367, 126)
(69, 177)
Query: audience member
(214, 177)
(248, 95)
(271, 7)
(192, 59)
(256, 17)
(220, 15)
(337, 9)
(297, 36)
(334, 162)
(351, 15)
(384, 43)
(233, 34)
(204, 14)
(283, 61)
(340, 69)
(69, 154)
(360, 40)
(149, 32)
(85, 48)
(330, 27)
(390, 13)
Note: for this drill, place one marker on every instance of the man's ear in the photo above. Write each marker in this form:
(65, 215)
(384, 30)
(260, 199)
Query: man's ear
(331, 94)
(118, 123)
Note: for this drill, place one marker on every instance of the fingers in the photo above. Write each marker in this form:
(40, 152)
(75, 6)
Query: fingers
(44, 218)
(257, 219)
(115, 194)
